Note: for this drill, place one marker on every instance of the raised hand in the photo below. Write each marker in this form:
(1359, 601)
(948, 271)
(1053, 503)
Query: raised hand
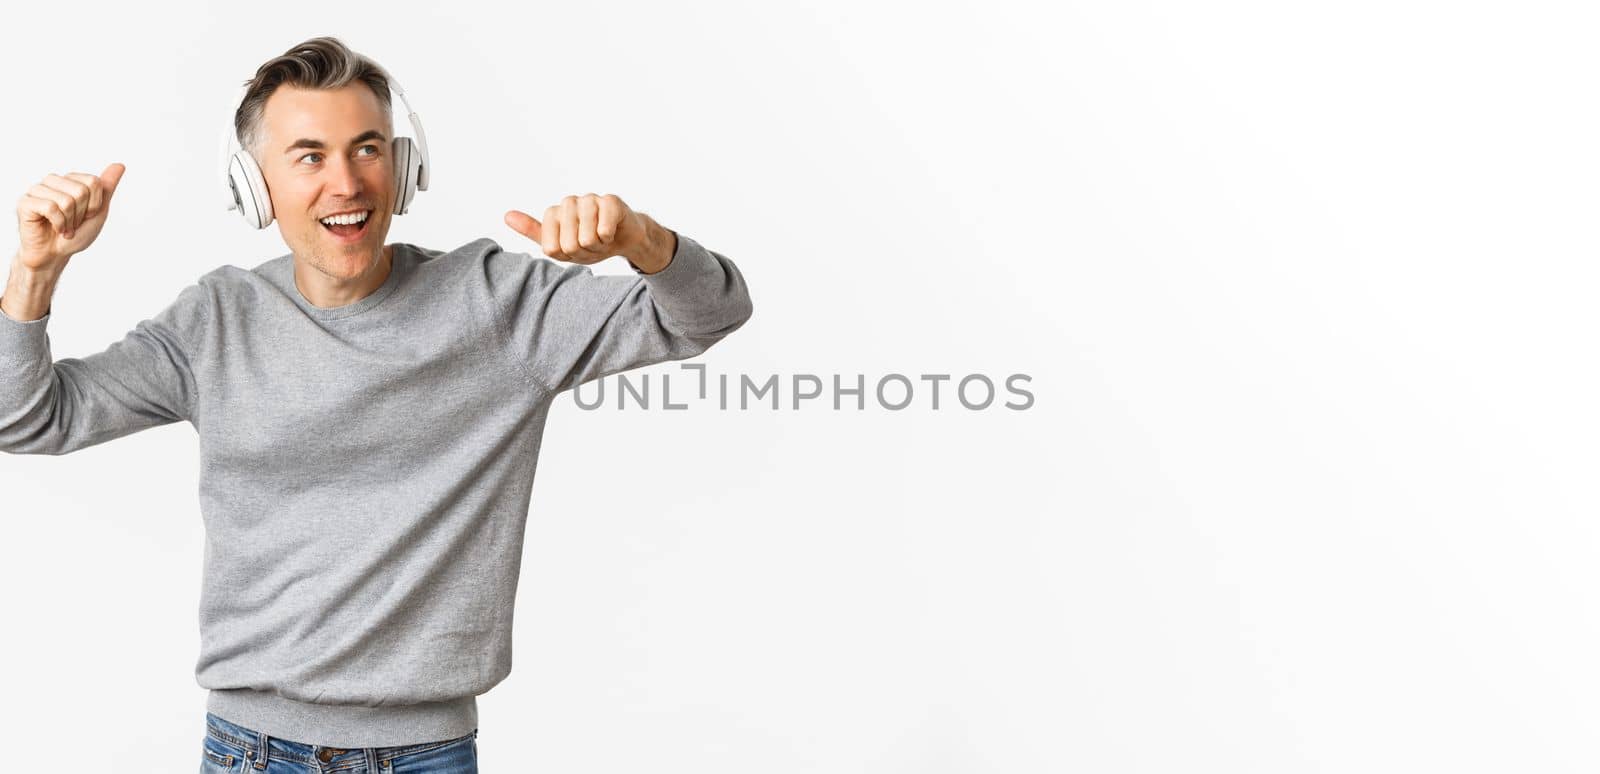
(62, 215)
(589, 229)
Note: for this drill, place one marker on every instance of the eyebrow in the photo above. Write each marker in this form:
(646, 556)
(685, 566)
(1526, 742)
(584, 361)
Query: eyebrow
(370, 134)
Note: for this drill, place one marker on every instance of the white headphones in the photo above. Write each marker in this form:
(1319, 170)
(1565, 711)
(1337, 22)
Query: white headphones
(247, 189)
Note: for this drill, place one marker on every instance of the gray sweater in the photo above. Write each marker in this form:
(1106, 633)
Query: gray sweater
(365, 470)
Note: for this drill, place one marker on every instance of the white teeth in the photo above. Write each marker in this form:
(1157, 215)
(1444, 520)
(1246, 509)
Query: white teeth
(352, 218)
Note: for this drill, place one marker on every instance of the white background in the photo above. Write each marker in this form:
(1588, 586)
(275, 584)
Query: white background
(1306, 294)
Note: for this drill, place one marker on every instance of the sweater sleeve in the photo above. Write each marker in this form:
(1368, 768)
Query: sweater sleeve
(570, 326)
(143, 381)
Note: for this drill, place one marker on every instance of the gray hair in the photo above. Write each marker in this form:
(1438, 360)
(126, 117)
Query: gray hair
(318, 63)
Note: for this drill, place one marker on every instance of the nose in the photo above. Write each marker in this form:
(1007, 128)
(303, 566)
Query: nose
(343, 181)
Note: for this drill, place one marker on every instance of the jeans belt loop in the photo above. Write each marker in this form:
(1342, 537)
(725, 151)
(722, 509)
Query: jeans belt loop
(261, 750)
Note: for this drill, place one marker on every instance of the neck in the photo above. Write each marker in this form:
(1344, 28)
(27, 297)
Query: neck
(329, 285)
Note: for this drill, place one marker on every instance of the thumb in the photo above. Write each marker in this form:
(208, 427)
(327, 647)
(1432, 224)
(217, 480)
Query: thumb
(524, 224)
(111, 177)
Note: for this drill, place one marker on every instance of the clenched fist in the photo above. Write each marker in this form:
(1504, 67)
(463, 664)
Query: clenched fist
(62, 215)
(589, 229)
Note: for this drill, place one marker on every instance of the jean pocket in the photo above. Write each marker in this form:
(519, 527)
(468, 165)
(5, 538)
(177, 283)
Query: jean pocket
(220, 758)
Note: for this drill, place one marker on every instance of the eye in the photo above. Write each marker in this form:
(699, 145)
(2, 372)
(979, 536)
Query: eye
(309, 155)
(372, 148)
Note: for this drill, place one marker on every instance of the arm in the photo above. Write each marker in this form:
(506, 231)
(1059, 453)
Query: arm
(28, 292)
(572, 327)
(56, 407)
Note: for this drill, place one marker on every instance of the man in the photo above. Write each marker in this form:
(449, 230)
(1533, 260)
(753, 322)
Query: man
(368, 414)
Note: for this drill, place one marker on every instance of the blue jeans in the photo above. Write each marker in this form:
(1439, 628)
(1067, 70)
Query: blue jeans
(233, 749)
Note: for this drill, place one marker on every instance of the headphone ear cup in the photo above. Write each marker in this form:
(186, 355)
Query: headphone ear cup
(407, 168)
(249, 190)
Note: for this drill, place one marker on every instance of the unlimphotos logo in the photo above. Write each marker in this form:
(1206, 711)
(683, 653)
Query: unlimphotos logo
(892, 392)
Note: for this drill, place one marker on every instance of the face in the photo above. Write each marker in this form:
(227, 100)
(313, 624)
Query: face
(327, 152)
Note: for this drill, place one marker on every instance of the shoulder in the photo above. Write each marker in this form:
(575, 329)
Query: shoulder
(502, 268)
(481, 257)
(229, 285)
(227, 289)
(476, 248)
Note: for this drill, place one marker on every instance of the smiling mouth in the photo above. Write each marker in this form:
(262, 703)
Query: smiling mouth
(348, 232)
